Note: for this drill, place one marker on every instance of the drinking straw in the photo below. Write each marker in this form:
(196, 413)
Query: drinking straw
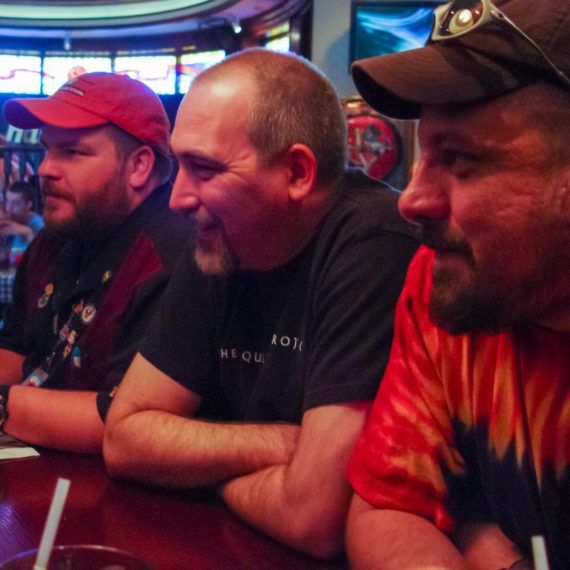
(52, 524)
(539, 553)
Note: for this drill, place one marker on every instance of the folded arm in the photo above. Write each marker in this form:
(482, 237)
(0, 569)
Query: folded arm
(151, 435)
(304, 502)
(485, 546)
(55, 418)
(10, 367)
(396, 540)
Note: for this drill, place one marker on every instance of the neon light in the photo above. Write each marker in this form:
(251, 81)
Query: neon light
(89, 12)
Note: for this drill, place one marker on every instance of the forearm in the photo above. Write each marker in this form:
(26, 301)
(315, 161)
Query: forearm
(485, 547)
(305, 503)
(395, 540)
(291, 512)
(166, 449)
(10, 367)
(55, 418)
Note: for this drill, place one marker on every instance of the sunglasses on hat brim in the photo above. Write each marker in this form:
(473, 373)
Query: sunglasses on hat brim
(462, 17)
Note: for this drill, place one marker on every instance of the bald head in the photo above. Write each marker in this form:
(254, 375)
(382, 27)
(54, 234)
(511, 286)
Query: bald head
(292, 102)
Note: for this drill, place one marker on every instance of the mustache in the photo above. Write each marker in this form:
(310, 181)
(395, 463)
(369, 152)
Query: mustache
(437, 238)
(49, 189)
(202, 222)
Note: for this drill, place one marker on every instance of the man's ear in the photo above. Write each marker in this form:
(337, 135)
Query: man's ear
(302, 168)
(140, 164)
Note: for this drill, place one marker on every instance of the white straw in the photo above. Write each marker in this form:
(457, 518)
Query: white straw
(539, 553)
(52, 524)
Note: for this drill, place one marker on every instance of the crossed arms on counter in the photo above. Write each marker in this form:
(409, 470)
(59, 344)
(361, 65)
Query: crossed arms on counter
(285, 479)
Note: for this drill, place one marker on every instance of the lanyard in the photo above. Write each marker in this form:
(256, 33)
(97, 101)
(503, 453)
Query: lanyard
(82, 315)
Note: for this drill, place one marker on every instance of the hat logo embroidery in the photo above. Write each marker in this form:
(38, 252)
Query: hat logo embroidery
(72, 89)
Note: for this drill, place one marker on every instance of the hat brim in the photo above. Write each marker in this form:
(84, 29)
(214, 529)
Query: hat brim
(399, 84)
(35, 113)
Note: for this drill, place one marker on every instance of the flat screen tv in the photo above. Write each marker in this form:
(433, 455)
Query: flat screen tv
(380, 28)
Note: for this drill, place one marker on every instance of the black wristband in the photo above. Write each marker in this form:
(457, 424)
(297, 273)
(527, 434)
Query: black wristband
(104, 400)
(4, 391)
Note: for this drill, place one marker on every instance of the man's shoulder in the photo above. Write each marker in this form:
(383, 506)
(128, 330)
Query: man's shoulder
(419, 277)
(154, 213)
(169, 231)
(370, 205)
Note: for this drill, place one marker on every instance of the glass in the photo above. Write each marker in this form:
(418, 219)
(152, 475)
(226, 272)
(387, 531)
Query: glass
(80, 557)
(463, 16)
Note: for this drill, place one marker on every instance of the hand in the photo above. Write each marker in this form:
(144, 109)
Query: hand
(8, 227)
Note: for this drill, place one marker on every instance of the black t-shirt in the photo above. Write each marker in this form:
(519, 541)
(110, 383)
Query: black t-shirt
(267, 346)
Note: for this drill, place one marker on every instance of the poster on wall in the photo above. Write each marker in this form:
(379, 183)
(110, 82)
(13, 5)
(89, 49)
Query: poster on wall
(374, 144)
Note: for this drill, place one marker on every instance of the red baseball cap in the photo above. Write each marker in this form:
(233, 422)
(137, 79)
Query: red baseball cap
(94, 99)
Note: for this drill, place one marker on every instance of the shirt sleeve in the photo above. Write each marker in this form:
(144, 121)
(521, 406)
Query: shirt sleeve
(406, 453)
(353, 316)
(180, 339)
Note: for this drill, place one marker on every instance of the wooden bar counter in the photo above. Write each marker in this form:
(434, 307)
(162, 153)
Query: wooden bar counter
(170, 529)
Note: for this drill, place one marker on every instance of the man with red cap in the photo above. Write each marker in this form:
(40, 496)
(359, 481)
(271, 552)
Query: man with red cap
(465, 459)
(90, 281)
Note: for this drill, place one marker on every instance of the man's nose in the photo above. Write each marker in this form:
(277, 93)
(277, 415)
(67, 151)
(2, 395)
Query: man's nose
(184, 195)
(48, 168)
(425, 198)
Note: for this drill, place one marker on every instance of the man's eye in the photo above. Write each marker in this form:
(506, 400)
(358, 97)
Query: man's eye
(453, 158)
(204, 171)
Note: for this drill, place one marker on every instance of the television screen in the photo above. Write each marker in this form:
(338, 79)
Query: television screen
(156, 71)
(278, 38)
(282, 44)
(192, 63)
(20, 74)
(381, 28)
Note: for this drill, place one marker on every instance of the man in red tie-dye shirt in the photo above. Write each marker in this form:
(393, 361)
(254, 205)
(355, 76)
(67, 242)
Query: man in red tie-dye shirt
(466, 454)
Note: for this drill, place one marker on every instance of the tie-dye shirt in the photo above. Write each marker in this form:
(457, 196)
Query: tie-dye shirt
(471, 427)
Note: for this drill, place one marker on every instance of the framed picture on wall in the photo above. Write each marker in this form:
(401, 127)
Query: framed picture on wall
(383, 27)
(384, 148)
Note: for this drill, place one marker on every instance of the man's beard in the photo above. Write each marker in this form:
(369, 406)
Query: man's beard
(94, 221)
(485, 301)
(466, 309)
(215, 258)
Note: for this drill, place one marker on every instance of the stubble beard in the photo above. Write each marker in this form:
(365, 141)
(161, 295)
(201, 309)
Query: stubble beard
(464, 307)
(488, 300)
(472, 301)
(215, 257)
